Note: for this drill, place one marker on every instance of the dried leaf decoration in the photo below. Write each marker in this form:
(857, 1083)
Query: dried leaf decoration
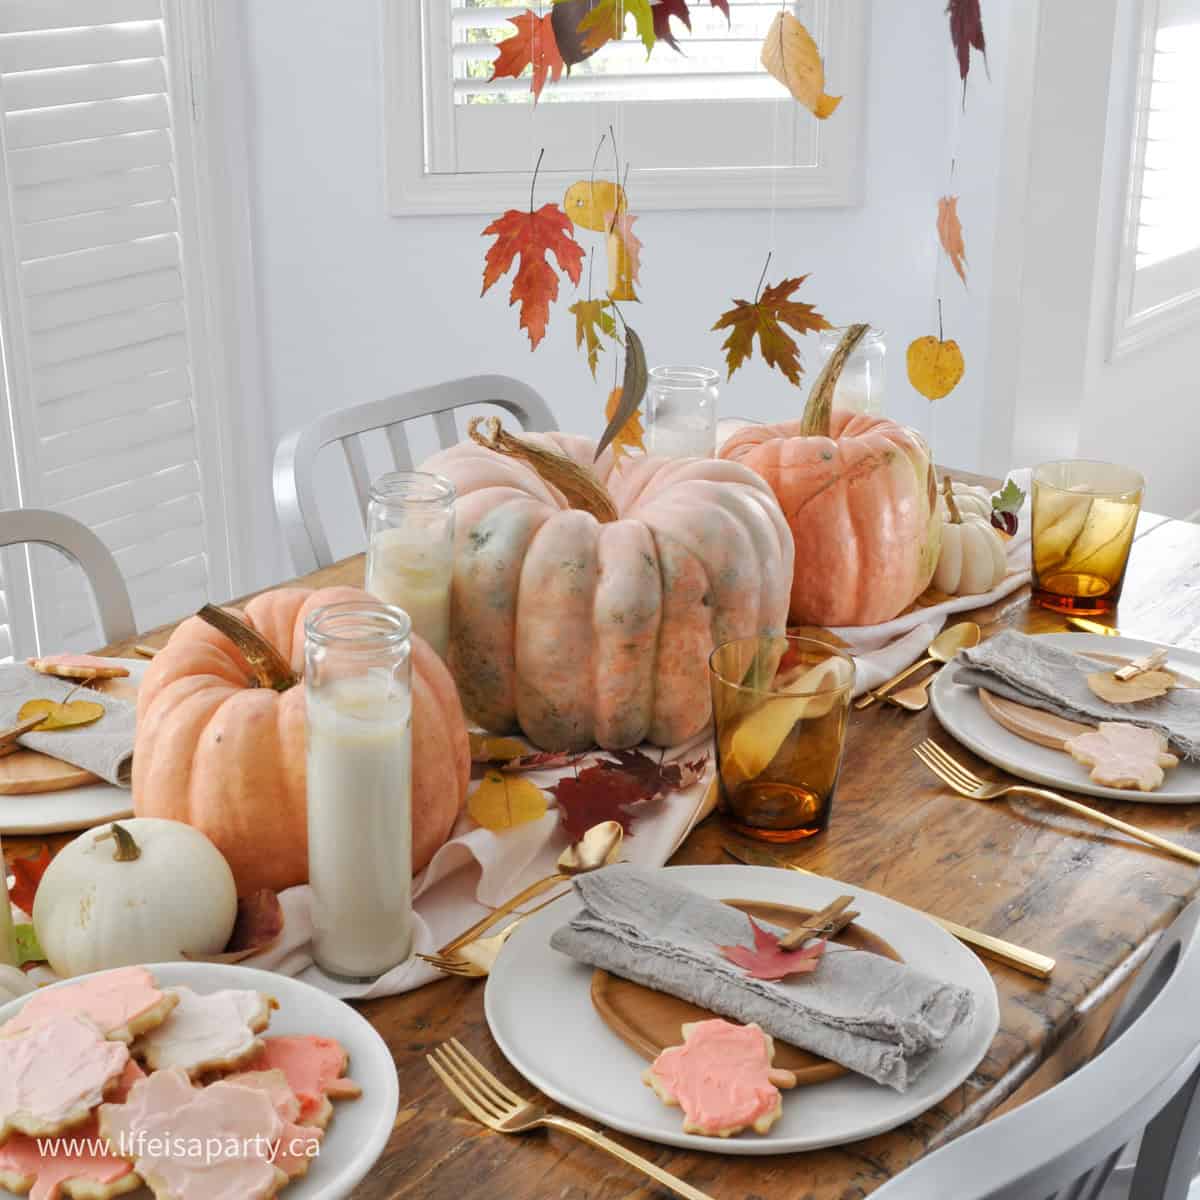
(534, 44)
(633, 390)
(765, 317)
(790, 54)
(60, 714)
(590, 203)
(257, 928)
(606, 23)
(629, 436)
(624, 256)
(485, 749)
(765, 960)
(664, 10)
(966, 32)
(950, 234)
(531, 235)
(501, 802)
(565, 17)
(592, 319)
(934, 366)
(27, 874)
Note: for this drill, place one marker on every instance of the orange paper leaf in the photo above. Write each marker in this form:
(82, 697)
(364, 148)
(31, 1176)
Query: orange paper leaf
(530, 236)
(533, 45)
(934, 366)
(766, 318)
(950, 234)
(629, 436)
(791, 56)
(27, 874)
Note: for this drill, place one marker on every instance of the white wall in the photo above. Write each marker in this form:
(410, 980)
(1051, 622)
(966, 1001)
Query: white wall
(356, 303)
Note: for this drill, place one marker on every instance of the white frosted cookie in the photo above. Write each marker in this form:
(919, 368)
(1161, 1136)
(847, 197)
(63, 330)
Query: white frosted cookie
(214, 1032)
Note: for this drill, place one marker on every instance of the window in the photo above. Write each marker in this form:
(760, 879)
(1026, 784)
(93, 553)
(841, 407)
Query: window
(706, 128)
(1160, 278)
(110, 392)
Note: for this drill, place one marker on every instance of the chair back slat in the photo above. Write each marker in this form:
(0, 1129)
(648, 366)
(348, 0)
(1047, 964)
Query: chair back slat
(447, 428)
(360, 476)
(398, 441)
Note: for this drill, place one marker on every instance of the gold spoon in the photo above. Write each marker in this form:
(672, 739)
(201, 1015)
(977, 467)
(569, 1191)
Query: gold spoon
(942, 649)
(915, 698)
(598, 847)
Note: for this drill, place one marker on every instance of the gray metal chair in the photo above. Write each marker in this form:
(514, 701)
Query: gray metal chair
(79, 543)
(295, 494)
(1065, 1143)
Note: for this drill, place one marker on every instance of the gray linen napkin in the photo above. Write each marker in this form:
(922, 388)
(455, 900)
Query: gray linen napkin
(105, 747)
(1031, 671)
(875, 1016)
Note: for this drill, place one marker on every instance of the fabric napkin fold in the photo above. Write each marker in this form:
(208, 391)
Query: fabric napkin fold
(104, 747)
(1031, 671)
(877, 1017)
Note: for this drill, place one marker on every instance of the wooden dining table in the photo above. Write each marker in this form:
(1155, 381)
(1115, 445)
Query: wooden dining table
(1092, 899)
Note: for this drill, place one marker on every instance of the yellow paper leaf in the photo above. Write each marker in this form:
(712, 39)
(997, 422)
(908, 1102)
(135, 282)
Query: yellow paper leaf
(61, 716)
(503, 802)
(934, 367)
(485, 749)
(593, 318)
(950, 234)
(629, 436)
(590, 204)
(624, 257)
(790, 54)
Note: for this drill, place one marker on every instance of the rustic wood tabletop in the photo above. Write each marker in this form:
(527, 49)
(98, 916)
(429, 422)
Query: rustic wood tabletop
(1092, 899)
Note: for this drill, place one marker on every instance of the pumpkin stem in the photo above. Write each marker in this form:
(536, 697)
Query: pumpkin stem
(951, 503)
(127, 849)
(819, 409)
(270, 668)
(580, 487)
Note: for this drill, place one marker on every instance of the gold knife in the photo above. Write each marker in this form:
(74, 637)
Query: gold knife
(1093, 627)
(1029, 961)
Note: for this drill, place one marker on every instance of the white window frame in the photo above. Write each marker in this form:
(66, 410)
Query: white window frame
(415, 114)
(1132, 326)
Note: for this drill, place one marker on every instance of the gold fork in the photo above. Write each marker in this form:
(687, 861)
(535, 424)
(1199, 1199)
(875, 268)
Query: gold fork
(501, 1109)
(475, 959)
(950, 771)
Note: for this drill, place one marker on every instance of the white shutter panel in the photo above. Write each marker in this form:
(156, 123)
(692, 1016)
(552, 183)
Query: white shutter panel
(106, 338)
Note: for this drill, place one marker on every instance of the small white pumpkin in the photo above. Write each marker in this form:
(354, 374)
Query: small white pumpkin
(972, 559)
(972, 500)
(138, 891)
(13, 983)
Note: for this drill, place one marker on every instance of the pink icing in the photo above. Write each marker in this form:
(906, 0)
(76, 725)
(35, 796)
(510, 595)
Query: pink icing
(298, 1144)
(110, 1000)
(720, 1075)
(314, 1068)
(52, 1074)
(47, 1172)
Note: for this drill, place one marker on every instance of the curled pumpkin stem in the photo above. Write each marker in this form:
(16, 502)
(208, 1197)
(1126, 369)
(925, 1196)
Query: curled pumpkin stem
(951, 503)
(127, 849)
(819, 409)
(269, 666)
(578, 485)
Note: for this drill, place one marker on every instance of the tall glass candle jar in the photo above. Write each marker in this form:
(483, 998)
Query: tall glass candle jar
(681, 412)
(8, 937)
(410, 550)
(358, 693)
(860, 387)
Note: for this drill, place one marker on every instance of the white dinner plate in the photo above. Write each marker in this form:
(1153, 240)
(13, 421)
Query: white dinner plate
(72, 808)
(360, 1128)
(963, 717)
(539, 1009)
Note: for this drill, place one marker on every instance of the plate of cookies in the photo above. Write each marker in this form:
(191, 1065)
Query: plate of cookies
(189, 1079)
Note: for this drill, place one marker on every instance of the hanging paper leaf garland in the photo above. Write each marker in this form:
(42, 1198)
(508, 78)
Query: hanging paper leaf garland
(534, 44)
(629, 436)
(606, 23)
(593, 318)
(633, 390)
(791, 56)
(565, 17)
(966, 34)
(950, 234)
(934, 365)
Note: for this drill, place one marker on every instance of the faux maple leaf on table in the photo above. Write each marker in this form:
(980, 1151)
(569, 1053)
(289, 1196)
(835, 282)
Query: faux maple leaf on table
(950, 234)
(27, 874)
(966, 33)
(534, 44)
(766, 960)
(765, 318)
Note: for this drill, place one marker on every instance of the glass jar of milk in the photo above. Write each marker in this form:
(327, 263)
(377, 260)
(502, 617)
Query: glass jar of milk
(410, 550)
(681, 412)
(860, 386)
(358, 693)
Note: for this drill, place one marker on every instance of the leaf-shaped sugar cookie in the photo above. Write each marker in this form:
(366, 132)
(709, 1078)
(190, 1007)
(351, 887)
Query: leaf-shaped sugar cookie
(1123, 756)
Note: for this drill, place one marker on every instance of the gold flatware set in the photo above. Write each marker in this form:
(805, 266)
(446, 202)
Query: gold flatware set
(941, 650)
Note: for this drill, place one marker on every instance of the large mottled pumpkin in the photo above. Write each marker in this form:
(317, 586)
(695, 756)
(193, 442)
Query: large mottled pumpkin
(586, 616)
(860, 495)
(220, 740)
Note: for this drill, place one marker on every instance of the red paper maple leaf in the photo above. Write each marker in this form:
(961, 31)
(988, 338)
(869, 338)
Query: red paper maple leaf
(767, 961)
(598, 793)
(533, 44)
(530, 235)
(27, 874)
(659, 778)
(966, 32)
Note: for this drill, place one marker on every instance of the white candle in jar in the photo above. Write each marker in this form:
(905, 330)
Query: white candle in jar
(414, 573)
(360, 823)
(8, 937)
(682, 439)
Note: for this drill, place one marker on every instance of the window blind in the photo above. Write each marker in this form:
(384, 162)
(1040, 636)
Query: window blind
(99, 335)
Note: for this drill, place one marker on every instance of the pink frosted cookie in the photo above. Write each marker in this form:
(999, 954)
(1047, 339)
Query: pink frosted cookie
(315, 1068)
(121, 1004)
(54, 1074)
(212, 1032)
(722, 1078)
(298, 1144)
(78, 666)
(1123, 756)
(238, 1126)
(72, 1166)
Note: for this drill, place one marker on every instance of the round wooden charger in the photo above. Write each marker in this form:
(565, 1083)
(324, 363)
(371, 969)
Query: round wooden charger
(650, 1021)
(26, 771)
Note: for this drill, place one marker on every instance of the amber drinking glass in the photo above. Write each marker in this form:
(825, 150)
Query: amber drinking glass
(780, 705)
(1084, 518)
